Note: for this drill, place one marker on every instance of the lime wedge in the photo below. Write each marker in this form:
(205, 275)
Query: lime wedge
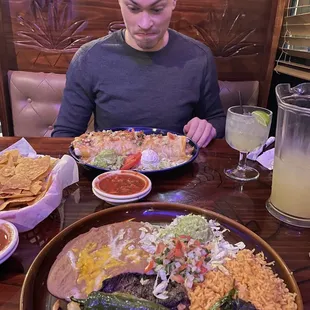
(261, 117)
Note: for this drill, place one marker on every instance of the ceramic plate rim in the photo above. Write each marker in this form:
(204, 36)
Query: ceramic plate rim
(167, 206)
(8, 255)
(120, 201)
(15, 240)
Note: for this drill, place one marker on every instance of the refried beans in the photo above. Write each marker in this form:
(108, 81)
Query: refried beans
(90, 258)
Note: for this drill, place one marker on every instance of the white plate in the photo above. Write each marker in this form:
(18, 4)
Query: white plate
(3, 259)
(115, 202)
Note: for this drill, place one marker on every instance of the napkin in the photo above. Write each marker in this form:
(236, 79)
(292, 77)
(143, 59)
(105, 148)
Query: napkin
(266, 158)
(24, 148)
(64, 174)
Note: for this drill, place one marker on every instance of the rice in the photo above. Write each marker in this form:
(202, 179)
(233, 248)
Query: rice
(254, 280)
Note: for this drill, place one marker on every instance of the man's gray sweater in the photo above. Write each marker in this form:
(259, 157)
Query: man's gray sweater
(126, 87)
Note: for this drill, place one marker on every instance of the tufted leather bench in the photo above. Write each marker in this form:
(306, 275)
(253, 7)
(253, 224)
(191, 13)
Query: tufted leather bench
(36, 98)
(35, 102)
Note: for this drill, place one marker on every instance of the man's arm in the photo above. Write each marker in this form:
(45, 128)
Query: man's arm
(210, 107)
(209, 121)
(77, 102)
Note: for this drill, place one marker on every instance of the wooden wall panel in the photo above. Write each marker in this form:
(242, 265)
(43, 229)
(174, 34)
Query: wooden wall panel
(43, 35)
(5, 110)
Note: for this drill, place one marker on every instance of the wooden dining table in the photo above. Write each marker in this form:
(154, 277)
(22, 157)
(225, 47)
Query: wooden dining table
(201, 183)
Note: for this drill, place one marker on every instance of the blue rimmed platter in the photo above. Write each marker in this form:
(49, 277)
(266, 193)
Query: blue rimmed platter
(147, 131)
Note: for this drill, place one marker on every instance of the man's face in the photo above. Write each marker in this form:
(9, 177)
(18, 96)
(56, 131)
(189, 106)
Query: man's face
(147, 22)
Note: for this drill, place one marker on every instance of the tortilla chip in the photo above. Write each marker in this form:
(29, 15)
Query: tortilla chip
(3, 179)
(14, 154)
(33, 169)
(10, 162)
(9, 191)
(42, 194)
(3, 159)
(24, 160)
(22, 194)
(44, 175)
(15, 201)
(53, 162)
(17, 182)
(26, 192)
(7, 171)
(36, 187)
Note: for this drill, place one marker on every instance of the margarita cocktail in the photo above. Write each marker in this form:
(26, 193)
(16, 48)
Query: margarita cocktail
(247, 128)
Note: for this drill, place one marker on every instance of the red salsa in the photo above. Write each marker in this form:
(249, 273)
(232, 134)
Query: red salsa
(121, 184)
(4, 239)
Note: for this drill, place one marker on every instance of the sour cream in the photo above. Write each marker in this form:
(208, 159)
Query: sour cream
(149, 157)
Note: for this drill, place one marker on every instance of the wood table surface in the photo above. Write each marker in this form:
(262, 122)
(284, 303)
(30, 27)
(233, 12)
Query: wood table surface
(201, 184)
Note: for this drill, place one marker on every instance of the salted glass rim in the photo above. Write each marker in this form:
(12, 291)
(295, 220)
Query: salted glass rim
(269, 112)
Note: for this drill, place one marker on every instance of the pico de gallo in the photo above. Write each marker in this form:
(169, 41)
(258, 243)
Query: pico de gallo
(185, 251)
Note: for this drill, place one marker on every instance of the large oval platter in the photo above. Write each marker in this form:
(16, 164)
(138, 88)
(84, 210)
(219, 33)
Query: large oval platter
(155, 213)
(147, 131)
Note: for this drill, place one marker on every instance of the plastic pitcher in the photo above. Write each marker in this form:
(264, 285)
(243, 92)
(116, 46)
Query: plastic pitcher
(290, 193)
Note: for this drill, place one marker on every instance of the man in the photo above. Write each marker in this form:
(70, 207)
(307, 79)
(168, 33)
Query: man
(145, 75)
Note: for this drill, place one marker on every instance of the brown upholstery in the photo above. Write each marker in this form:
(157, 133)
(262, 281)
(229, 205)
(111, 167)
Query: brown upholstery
(36, 99)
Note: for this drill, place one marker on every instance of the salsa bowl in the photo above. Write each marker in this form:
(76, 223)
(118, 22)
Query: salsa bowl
(121, 184)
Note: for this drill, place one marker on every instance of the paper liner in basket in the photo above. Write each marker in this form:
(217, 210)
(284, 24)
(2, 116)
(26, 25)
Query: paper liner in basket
(63, 174)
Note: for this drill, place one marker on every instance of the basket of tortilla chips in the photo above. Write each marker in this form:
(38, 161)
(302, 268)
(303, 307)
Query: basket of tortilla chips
(31, 185)
(23, 180)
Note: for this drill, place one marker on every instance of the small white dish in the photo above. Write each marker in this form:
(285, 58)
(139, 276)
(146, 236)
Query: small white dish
(122, 198)
(115, 202)
(130, 184)
(3, 259)
(10, 232)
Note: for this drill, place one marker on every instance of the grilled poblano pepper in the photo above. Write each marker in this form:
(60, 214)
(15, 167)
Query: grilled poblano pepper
(226, 299)
(114, 301)
(229, 302)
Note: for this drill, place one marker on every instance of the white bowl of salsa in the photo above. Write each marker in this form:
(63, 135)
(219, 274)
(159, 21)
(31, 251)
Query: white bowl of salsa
(121, 185)
(8, 240)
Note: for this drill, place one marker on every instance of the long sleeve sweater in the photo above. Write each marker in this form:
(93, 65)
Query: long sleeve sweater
(122, 86)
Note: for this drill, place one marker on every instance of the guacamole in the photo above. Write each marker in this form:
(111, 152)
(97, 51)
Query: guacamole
(108, 159)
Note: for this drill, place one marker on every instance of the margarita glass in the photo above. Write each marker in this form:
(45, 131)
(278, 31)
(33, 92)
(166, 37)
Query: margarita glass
(247, 128)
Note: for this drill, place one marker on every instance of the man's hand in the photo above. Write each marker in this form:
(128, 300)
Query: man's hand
(200, 131)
